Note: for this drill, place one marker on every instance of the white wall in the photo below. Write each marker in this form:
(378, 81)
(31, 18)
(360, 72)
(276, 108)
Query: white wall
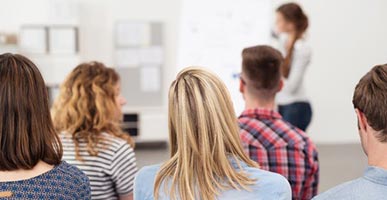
(16, 13)
(348, 37)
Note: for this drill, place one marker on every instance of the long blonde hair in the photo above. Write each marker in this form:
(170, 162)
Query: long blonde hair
(86, 106)
(204, 136)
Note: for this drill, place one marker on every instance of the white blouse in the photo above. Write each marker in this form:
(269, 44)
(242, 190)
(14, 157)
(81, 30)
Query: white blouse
(294, 89)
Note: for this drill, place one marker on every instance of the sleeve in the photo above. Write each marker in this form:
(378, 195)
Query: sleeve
(123, 169)
(312, 179)
(300, 61)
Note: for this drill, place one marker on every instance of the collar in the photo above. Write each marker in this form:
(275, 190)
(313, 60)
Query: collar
(376, 175)
(261, 113)
(234, 163)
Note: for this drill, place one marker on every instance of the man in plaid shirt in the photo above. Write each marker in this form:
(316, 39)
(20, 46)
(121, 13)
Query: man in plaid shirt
(274, 143)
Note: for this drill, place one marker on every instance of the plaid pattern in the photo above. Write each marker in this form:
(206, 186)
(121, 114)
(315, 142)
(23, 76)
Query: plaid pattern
(282, 148)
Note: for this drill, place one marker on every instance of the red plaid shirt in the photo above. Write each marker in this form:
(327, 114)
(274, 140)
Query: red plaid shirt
(282, 148)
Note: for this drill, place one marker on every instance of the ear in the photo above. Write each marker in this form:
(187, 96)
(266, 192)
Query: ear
(241, 86)
(362, 120)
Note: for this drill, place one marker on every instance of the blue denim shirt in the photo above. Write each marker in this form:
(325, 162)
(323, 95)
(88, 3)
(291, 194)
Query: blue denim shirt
(372, 186)
(268, 186)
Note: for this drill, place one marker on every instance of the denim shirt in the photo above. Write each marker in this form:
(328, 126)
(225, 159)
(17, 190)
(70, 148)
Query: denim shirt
(268, 185)
(372, 186)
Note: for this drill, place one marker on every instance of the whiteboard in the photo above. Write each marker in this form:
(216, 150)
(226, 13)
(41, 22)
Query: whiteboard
(213, 34)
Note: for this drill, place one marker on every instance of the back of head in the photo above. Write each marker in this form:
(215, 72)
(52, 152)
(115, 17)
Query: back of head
(204, 135)
(86, 106)
(370, 97)
(27, 135)
(261, 71)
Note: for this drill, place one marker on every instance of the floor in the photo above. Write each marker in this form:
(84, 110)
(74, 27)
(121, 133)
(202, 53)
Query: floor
(338, 163)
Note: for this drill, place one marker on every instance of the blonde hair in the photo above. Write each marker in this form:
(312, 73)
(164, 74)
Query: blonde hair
(86, 106)
(204, 136)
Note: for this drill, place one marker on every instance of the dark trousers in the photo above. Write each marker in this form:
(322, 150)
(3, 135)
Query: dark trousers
(298, 114)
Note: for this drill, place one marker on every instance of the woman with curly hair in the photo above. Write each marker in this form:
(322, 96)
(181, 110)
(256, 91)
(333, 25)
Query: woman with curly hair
(87, 114)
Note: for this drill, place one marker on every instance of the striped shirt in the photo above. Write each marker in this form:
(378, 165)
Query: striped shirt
(111, 172)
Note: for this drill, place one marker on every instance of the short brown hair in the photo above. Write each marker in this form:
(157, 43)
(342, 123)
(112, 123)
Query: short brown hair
(370, 98)
(261, 65)
(26, 131)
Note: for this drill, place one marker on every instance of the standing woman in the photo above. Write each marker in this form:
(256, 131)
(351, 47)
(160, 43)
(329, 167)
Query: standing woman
(31, 165)
(291, 24)
(207, 160)
(87, 114)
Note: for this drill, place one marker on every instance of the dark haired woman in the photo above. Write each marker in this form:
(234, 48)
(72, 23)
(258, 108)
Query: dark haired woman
(30, 149)
(291, 25)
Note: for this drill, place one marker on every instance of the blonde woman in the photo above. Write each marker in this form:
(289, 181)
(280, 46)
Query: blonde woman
(207, 159)
(87, 113)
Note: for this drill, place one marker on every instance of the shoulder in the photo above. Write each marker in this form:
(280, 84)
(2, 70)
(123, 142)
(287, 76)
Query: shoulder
(302, 47)
(269, 183)
(72, 172)
(264, 177)
(342, 191)
(74, 179)
(270, 133)
(113, 140)
(144, 182)
(295, 137)
(115, 144)
(147, 173)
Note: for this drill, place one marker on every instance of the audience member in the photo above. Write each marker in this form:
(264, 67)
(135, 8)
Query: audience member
(207, 159)
(267, 138)
(292, 24)
(30, 149)
(87, 114)
(370, 102)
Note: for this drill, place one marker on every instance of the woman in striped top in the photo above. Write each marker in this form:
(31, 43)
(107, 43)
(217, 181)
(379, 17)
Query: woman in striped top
(87, 115)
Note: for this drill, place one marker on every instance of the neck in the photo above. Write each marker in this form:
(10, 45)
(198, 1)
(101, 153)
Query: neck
(377, 154)
(253, 103)
(23, 174)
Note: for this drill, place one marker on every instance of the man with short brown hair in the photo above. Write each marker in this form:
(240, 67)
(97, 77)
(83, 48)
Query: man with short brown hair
(267, 138)
(370, 102)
